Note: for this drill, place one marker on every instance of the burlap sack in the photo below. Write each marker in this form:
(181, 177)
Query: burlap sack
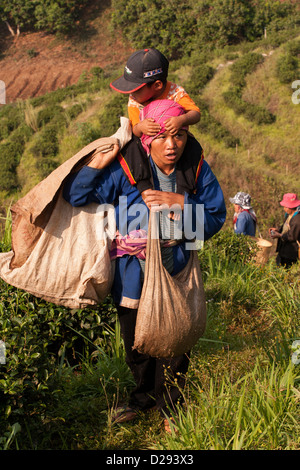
(172, 310)
(59, 252)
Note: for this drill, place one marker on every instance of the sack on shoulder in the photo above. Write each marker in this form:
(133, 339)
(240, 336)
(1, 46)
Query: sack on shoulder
(172, 310)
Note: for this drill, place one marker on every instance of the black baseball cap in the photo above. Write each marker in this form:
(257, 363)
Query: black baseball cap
(143, 66)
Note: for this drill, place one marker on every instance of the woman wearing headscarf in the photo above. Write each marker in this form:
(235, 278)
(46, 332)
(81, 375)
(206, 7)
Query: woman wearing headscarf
(106, 179)
(288, 234)
(244, 219)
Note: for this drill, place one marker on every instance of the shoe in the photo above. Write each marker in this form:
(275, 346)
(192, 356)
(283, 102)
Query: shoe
(122, 415)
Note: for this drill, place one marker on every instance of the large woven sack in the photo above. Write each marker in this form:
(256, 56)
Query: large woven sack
(172, 310)
(60, 253)
(70, 263)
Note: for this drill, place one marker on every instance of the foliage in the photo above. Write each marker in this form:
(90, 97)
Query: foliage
(10, 154)
(37, 334)
(200, 76)
(50, 15)
(243, 66)
(151, 23)
(233, 98)
(226, 245)
(223, 22)
(287, 69)
(208, 124)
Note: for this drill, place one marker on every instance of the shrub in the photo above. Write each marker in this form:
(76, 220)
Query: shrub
(253, 112)
(48, 113)
(208, 124)
(38, 337)
(226, 246)
(11, 117)
(10, 154)
(293, 48)
(74, 111)
(200, 76)
(46, 143)
(243, 66)
(110, 118)
(287, 68)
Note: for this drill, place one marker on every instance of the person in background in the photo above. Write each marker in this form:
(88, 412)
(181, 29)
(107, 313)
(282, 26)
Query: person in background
(244, 219)
(288, 234)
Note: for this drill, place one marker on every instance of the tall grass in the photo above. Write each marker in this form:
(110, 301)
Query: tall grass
(258, 411)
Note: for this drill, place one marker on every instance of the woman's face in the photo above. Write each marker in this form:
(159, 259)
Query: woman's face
(288, 210)
(166, 150)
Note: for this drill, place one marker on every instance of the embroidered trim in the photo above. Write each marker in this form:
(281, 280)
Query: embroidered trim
(152, 72)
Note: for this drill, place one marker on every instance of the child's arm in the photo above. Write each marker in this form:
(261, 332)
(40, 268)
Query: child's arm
(147, 126)
(175, 123)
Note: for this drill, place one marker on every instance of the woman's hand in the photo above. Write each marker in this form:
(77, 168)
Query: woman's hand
(274, 233)
(101, 160)
(152, 197)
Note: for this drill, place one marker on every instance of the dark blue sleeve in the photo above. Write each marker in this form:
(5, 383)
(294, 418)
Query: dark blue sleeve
(90, 185)
(245, 224)
(210, 194)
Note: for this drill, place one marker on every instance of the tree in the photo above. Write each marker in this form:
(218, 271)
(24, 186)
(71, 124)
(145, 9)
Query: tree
(50, 15)
(17, 14)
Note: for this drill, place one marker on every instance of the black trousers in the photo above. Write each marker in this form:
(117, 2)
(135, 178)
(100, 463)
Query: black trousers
(159, 382)
(286, 262)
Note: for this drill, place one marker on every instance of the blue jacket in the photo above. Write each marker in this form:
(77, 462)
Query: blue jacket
(106, 186)
(245, 224)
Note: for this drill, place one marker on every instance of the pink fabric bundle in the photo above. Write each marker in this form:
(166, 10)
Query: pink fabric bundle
(133, 244)
(160, 111)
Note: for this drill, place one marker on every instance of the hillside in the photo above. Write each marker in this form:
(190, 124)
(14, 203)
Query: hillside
(36, 63)
(58, 95)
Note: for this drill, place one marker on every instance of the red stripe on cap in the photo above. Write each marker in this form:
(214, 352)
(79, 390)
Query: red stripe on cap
(127, 92)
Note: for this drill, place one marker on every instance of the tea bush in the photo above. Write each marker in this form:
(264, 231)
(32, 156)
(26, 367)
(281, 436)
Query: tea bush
(253, 112)
(226, 246)
(243, 66)
(208, 124)
(48, 114)
(200, 76)
(287, 68)
(39, 337)
(233, 97)
(10, 154)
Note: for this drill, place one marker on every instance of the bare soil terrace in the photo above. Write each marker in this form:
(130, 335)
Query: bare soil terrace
(33, 64)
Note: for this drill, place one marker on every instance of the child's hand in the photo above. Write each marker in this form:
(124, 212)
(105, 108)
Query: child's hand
(149, 127)
(173, 124)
